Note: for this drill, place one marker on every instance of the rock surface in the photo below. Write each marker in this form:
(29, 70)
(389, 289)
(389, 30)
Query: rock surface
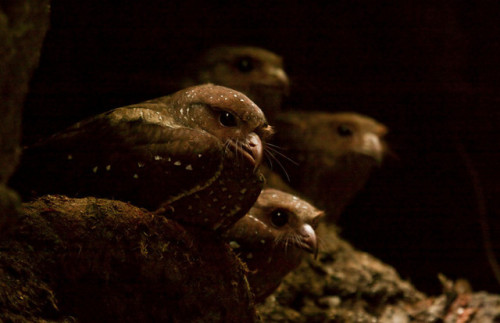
(23, 25)
(106, 261)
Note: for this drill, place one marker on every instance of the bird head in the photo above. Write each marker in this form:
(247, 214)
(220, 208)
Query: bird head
(226, 114)
(331, 136)
(278, 221)
(254, 71)
(359, 134)
(273, 237)
(291, 220)
(241, 67)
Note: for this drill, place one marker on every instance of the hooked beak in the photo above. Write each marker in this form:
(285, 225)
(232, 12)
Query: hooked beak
(277, 81)
(373, 147)
(282, 79)
(308, 240)
(252, 149)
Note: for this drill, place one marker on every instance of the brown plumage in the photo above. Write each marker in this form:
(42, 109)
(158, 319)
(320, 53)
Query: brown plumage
(273, 238)
(193, 155)
(335, 152)
(254, 71)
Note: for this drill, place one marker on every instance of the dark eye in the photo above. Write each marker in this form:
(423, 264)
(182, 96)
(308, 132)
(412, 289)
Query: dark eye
(244, 65)
(279, 218)
(227, 119)
(344, 131)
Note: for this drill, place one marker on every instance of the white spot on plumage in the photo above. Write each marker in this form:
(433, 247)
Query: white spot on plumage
(108, 168)
(234, 245)
(136, 176)
(182, 111)
(140, 164)
(256, 220)
(95, 169)
(189, 167)
(177, 163)
(199, 155)
(157, 157)
(249, 256)
(242, 100)
(243, 190)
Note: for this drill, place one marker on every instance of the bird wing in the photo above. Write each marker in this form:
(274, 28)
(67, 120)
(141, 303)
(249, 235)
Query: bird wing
(137, 153)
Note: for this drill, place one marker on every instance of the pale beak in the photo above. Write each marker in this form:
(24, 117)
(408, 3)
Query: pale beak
(372, 146)
(252, 149)
(308, 240)
(255, 146)
(281, 78)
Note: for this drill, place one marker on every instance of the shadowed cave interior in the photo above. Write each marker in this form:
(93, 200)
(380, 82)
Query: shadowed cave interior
(427, 70)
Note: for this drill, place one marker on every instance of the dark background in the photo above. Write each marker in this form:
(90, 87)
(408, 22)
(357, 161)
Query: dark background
(428, 70)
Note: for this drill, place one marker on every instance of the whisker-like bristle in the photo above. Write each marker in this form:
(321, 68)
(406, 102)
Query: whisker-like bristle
(226, 146)
(289, 241)
(294, 239)
(239, 144)
(268, 159)
(273, 150)
(274, 146)
(280, 164)
(278, 239)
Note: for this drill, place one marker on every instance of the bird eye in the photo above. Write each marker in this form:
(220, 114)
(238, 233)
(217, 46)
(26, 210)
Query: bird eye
(244, 65)
(344, 131)
(279, 218)
(227, 119)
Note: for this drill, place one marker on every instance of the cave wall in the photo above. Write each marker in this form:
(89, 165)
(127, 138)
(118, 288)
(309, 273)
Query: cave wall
(23, 25)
